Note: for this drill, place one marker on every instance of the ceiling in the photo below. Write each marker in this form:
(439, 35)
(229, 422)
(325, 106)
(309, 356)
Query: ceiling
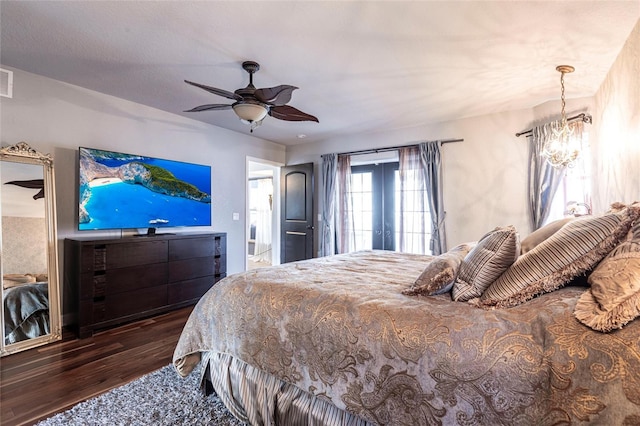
(361, 67)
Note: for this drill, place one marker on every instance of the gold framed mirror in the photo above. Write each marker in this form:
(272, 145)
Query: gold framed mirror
(31, 314)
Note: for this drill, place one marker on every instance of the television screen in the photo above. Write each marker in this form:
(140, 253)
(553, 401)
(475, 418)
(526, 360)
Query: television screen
(119, 191)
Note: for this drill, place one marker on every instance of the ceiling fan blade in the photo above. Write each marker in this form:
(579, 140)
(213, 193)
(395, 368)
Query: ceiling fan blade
(216, 91)
(31, 184)
(278, 95)
(209, 107)
(289, 113)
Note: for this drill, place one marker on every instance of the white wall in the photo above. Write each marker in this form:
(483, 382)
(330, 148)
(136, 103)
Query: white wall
(57, 118)
(616, 145)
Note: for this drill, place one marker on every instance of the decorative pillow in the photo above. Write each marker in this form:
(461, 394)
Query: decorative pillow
(493, 254)
(575, 249)
(440, 273)
(541, 234)
(14, 280)
(40, 278)
(614, 297)
(617, 206)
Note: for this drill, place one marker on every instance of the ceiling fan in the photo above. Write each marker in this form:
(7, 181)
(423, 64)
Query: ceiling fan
(253, 105)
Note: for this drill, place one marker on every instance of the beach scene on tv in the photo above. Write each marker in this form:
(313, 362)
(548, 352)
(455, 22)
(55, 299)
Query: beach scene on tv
(120, 190)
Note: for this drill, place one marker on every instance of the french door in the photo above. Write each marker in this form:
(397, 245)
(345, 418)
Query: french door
(373, 193)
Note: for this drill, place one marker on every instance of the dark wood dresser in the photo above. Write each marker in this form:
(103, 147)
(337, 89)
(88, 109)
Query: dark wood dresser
(119, 280)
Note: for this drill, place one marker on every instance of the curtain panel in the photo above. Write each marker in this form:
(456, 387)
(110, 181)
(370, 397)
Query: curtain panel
(432, 168)
(328, 230)
(345, 229)
(262, 251)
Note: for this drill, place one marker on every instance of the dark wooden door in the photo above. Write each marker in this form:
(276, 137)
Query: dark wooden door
(296, 192)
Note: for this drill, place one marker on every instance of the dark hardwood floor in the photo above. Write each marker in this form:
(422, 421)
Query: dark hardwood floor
(41, 382)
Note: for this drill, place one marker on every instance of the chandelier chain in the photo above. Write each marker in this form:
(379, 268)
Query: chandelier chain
(563, 103)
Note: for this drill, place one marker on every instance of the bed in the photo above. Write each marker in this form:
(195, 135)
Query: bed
(25, 300)
(354, 339)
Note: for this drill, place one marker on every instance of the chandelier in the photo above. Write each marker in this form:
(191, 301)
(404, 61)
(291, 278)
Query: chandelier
(562, 149)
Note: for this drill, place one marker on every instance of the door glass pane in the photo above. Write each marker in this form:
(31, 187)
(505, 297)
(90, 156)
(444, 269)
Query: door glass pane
(362, 209)
(417, 219)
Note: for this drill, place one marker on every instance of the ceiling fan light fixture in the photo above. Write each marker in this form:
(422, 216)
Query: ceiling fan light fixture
(253, 105)
(250, 112)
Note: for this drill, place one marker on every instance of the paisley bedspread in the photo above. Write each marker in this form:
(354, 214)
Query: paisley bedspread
(339, 328)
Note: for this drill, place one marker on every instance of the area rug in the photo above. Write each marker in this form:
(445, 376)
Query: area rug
(158, 398)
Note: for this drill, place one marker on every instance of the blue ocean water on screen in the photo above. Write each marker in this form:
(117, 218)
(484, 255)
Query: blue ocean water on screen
(123, 205)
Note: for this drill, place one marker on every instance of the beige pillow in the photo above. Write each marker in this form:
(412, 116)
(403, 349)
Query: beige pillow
(440, 273)
(14, 280)
(575, 249)
(541, 234)
(40, 277)
(493, 254)
(614, 297)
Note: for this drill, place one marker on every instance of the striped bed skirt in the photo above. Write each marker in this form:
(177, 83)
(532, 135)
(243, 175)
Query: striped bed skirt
(258, 398)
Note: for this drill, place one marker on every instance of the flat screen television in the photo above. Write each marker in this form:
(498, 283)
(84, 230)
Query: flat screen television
(127, 191)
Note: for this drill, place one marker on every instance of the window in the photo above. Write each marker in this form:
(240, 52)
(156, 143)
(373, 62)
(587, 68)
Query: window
(574, 192)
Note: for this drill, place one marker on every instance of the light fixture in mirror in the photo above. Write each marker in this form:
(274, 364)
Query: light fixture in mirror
(31, 314)
(562, 149)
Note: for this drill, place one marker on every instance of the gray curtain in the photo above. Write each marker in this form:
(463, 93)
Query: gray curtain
(432, 165)
(328, 231)
(345, 229)
(543, 177)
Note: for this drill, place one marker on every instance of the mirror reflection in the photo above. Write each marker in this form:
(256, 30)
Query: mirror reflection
(24, 250)
(30, 315)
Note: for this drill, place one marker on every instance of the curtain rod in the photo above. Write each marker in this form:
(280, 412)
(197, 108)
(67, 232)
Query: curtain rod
(585, 117)
(390, 148)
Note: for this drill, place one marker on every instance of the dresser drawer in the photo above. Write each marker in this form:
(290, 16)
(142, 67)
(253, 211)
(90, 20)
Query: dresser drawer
(192, 247)
(134, 254)
(190, 290)
(180, 270)
(122, 280)
(134, 302)
(101, 257)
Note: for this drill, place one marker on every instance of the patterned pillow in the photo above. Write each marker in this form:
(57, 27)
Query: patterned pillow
(575, 249)
(541, 234)
(614, 297)
(440, 273)
(495, 252)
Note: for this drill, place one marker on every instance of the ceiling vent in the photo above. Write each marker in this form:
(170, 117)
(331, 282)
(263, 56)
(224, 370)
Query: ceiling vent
(6, 83)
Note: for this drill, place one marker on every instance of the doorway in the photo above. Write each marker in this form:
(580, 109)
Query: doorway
(263, 216)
